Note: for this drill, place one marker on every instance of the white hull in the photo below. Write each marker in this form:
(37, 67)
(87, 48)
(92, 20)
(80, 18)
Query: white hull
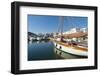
(71, 50)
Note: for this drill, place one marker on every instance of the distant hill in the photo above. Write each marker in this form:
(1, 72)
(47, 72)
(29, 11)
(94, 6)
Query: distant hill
(32, 34)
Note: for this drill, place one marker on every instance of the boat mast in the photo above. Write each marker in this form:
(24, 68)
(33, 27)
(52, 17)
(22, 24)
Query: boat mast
(60, 26)
(62, 23)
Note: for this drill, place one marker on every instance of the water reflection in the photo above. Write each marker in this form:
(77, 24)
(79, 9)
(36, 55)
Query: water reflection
(45, 50)
(41, 50)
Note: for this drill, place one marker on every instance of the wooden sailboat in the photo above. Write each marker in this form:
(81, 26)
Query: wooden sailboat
(64, 43)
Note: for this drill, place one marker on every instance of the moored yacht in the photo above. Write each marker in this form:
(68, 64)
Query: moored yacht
(74, 43)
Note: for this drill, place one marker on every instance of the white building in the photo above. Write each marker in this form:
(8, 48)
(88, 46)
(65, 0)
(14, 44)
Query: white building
(76, 34)
(84, 29)
(74, 30)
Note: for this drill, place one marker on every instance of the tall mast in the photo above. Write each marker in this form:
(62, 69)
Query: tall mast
(59, 26)
(62, 23)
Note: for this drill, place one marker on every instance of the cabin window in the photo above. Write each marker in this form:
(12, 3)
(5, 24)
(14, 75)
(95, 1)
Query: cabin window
(84, 38)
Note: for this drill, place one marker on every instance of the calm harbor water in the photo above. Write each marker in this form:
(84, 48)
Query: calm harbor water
(44, 50)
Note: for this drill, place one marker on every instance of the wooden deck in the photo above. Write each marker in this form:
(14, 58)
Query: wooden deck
(72, 46)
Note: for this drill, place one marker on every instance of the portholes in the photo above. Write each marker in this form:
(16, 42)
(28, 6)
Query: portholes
(60, 53)
(56, 45)
(60, 47)
(56, 51)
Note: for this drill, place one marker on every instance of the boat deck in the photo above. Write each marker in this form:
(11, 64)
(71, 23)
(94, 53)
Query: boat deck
(72, 46)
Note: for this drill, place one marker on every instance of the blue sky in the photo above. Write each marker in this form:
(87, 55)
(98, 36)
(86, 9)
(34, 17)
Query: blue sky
(48, 24)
